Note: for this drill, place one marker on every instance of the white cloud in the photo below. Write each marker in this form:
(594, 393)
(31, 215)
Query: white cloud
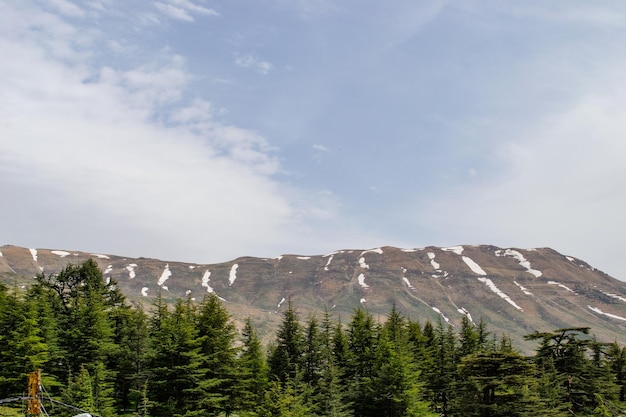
(254, 63)
(173, 11)
(113, 163)
(320, 148)
(67, 8)
(183, 9)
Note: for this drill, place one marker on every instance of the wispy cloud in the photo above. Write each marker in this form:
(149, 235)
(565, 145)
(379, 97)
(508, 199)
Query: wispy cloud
(67, 8)
(118, 154)
(183, 9)
(254, 63)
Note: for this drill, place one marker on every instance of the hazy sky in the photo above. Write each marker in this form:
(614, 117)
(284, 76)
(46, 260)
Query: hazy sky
(204, 130)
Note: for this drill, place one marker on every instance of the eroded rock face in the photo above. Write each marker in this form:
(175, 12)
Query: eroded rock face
(516, 291)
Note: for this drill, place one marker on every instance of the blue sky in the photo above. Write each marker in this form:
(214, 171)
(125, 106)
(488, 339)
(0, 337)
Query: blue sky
(199, 130)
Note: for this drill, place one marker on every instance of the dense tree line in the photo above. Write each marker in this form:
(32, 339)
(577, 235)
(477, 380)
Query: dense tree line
(102, 355)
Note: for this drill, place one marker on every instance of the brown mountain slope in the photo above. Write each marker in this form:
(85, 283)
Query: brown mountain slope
(515, 291)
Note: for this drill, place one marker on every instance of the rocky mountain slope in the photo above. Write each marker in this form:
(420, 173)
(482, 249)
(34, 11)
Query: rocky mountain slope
(515, 291)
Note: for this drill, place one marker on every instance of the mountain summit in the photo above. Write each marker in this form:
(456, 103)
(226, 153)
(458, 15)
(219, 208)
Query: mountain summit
(515, 291)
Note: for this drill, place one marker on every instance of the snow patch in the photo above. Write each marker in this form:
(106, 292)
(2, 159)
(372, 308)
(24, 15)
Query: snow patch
(502, 295)
(436, 310)
(108, 269)
(131, 270)
(410, 250)
(377, 250)
(33, 252)
(464, 311)
(304, 257)
(362, 263)
(187, 292)
(281, 302)
(408, 283)
(97, 255)
(473, 266)
(565, 287)
(456, 249)
(520, 260)
(330, 258)
(0, 254)
(361, 280)
(362, 301)
(613, 316)
(192, 267)
(617, 297)
(233, 274)
(569, 258)
(279, 257)
(144, 291)
(521, 287)
(60, 253)
(434, 264)
(165, 275)
(205, 281)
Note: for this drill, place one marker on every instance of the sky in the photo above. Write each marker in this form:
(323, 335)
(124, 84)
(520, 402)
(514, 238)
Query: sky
(205, 130)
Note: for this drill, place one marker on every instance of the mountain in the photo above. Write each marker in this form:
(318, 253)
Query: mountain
(515, 291)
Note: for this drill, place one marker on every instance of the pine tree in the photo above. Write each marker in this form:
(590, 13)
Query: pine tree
(286, 357)
(359, 371)
(173, 360)
(252, 378)
(216, 372)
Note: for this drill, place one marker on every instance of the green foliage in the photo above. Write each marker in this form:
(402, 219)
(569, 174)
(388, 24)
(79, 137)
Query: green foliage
(104, 356)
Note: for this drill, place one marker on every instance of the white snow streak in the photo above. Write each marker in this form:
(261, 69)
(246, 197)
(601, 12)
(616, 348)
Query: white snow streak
(362, 263)
(408, 283)
(456, 249)
(108, 269)
(464, 311)
(502, 295)
(205, 281)
(440, 313)
(521, 287)
(0, 254)
(614, 316)
(435, 265)
(363, 300)
(100, 256)
(131, 270)
(304, 257)
(473, 266)
(562, 286)
(33, 252)
(60, 253)
(330, 258)
(569, 258)
(165, 275)
(617, 297)
(520, 260)
(144, 291)
(377, 250)
(281, 302)
(233, 274)
(361, 280)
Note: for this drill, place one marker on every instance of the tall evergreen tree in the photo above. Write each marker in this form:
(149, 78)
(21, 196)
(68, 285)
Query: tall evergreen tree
(286, 358)
(216, 336)
(252, 378)
(173, 360)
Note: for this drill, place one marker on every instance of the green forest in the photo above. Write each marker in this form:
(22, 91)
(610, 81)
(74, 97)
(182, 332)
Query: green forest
(99, 353)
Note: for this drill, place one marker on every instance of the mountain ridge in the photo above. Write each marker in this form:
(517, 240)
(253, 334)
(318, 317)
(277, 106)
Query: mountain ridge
(516, 291)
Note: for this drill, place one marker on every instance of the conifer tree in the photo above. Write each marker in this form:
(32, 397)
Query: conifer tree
(173, 360)
(216, 372)
(252, 379)
(286, 358)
